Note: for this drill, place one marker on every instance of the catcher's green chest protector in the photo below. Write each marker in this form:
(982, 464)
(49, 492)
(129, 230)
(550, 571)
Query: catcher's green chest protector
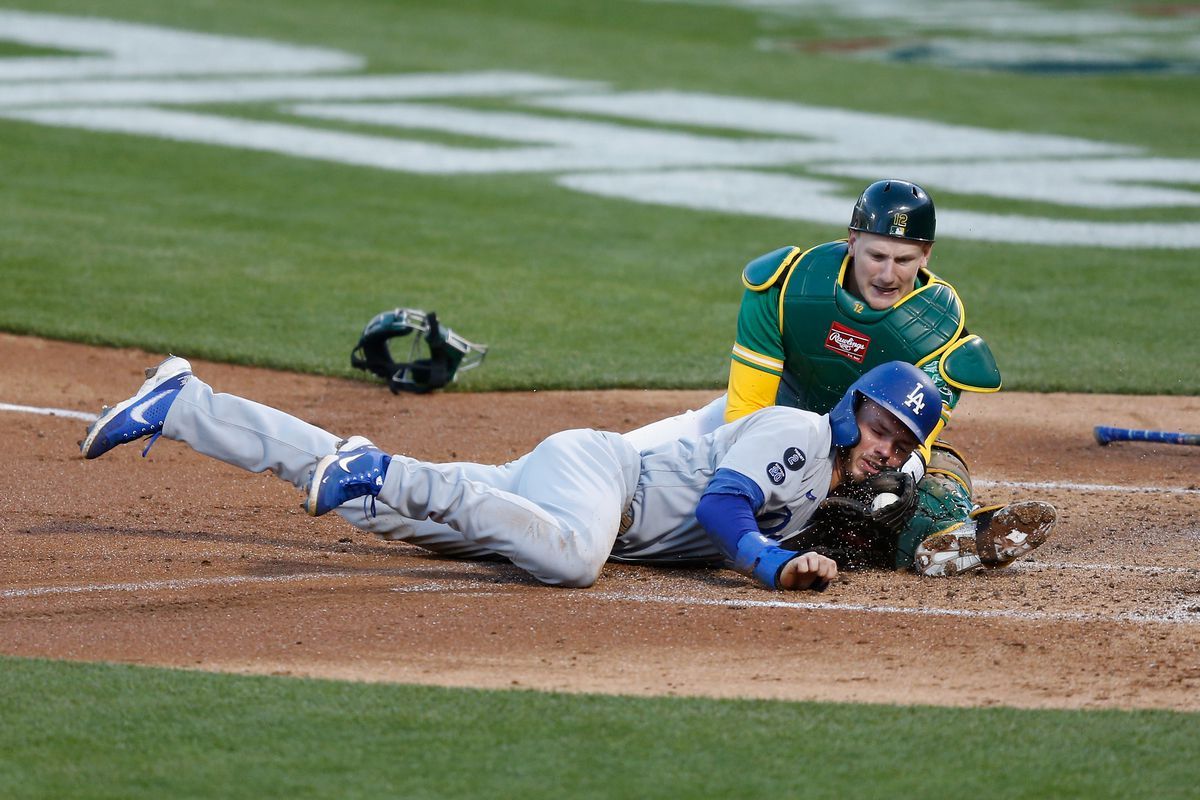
(830, 337)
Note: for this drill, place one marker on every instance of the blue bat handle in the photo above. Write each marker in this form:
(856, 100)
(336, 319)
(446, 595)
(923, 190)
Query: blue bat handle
(1105, 434)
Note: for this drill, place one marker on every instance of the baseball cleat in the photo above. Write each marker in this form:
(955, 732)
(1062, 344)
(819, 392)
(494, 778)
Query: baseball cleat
(141, 415)
(1011, 532)
(994, 538)
(356, 470)
(951, 552)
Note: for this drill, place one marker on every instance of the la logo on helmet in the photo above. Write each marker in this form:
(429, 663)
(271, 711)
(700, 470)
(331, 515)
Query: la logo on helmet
(915, 399)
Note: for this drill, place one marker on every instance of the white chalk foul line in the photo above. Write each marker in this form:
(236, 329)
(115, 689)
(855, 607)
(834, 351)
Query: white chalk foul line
(1086, 487)
(181, 583)
(48, 412)
(1176, 616)
(1036, 566)
(1179, 615)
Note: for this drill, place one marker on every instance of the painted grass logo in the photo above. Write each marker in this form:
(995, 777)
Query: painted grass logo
(1008, 35)
(140, 79)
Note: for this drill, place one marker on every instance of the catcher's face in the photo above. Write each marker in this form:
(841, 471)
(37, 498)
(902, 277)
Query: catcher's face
(883, 270)
(883, 441)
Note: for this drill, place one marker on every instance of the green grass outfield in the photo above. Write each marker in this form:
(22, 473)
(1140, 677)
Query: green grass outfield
(213, 252)
(258, 258)
(82, 731)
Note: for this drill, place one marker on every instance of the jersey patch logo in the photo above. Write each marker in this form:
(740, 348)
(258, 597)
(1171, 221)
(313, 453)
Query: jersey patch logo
(793, 458)
(847, 342)
(775, 473)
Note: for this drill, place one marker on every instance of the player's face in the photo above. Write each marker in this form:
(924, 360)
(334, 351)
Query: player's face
(883, 270)
(883, 442)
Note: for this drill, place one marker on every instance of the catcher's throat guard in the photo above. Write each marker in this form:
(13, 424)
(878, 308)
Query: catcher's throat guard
(449, 353)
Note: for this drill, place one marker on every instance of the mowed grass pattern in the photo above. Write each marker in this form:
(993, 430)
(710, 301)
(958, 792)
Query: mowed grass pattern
(266, 259)
(263, 259)
(93, 730)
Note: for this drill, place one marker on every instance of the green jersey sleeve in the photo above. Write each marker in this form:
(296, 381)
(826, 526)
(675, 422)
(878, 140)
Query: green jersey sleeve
(759, 343)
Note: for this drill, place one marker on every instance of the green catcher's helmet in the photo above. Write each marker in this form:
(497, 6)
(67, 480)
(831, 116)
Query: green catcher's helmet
(895, 208)
(449, 353)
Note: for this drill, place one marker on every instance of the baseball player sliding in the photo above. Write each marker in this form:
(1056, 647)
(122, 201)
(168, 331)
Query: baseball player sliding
(742, 493)
(812, 321)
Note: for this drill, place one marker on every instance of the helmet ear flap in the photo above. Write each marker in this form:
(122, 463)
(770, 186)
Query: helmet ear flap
(843, 420)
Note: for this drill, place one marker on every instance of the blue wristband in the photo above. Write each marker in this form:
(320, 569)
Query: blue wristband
(761, 558)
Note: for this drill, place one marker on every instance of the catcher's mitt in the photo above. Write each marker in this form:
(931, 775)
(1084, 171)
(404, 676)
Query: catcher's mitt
(854, 503)
(849, 528)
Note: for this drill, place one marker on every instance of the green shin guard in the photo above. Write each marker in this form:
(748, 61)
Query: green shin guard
(943, 500)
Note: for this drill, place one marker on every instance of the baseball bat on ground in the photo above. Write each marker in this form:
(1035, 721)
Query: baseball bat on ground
(1105, 434)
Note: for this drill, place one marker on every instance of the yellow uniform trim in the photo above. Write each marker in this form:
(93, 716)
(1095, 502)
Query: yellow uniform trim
(845, 263)
(926, 447)
(788, 262)
(749, 390)
(962, 323)
(758, 359)
(950, 475)
(985, 509)
(965, 387)
(793, 255)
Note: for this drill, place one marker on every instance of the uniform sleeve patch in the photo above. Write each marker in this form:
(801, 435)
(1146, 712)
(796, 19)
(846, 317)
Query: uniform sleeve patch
(793, 458)
(775, 473)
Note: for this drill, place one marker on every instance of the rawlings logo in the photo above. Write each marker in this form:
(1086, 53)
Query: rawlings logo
(847, 342)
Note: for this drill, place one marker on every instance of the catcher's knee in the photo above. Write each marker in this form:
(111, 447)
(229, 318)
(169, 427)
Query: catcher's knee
(943, 502)
(946, 461)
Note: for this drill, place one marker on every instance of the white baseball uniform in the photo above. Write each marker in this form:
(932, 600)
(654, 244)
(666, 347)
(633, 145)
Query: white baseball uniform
(558, 512)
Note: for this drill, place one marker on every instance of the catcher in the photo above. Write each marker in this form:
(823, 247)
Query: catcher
(812, 321)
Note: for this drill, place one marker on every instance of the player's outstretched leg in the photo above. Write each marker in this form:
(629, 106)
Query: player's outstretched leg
(355, 470)
(141, 415)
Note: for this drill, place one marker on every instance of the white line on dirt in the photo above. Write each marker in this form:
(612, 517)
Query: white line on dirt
(182, 583)
(1027, 566)
(48, 412)
(1176, 616)
(1087, 487)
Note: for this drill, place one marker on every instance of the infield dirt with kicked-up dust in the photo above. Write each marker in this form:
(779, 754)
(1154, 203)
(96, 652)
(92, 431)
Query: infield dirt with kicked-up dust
(179, 560)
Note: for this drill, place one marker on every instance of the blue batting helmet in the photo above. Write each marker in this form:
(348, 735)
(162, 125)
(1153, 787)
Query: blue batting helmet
(899, 387)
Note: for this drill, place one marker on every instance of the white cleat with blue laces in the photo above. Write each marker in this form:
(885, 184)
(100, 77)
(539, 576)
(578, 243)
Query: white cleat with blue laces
(141, 415)
(357, 469)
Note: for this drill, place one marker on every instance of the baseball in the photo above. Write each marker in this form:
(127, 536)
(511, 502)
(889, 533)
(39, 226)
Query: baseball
(883, 499)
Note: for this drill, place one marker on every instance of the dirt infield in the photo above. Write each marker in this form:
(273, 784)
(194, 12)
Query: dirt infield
(183, 561)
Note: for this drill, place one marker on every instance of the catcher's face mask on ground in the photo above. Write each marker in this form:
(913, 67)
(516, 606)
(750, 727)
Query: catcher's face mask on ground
(448, 353)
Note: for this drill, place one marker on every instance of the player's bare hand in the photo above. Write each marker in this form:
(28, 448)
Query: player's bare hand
(808, 571)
